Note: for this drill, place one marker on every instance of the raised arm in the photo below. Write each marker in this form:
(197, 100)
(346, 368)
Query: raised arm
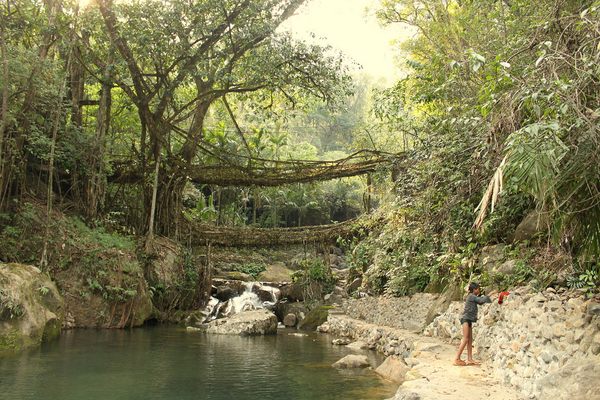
(482, 299)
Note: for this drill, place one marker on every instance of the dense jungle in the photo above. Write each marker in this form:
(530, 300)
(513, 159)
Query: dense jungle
(159, 155)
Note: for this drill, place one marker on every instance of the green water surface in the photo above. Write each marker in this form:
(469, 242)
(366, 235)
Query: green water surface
(170, 363)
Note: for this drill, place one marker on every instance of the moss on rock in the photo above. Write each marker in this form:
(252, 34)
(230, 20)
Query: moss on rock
(314, 318)
(32, 308)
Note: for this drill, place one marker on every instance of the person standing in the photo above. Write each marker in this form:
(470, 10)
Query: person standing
(469, 316)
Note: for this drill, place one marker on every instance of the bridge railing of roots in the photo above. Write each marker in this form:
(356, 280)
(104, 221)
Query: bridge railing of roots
(262, 172)
(236, 170)
(268, 237)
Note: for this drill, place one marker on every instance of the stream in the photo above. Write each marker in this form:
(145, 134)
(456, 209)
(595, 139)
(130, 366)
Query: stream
(166, 362)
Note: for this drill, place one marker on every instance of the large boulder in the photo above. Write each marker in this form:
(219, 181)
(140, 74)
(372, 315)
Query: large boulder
(292, 292)
(31, 309)
(393, 368)
(276, 272)
(247, 323)
(352, 361)
(533, 224)
(298, 309)
(314, 318)
(491, 256)
(290, 320)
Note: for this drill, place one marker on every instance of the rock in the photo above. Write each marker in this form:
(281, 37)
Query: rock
(290, 320)
(276, 272)
(593, 308)
(256, 322)
(403, 395)
(314, 318)
(358, 345)
(266, 293)
(31, 309)
(354, 285)
(581, 379)
(331, 299)
(452, 293)
(393, 368)
(352, 361)
(507, 267)
(530, 226)
(337, 251)
(292, 292)
(491, 256)
(282, 309)
(340, 341)
(224, 293)
(559, 330)
(539, 298)
(236, 276)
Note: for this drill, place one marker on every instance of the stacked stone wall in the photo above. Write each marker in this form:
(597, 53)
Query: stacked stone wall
(535, 342)
(533, 337)
(408, 313)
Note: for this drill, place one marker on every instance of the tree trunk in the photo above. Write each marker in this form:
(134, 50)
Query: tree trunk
(50, 194)
(3, 115)
(96, 185)
(150, 235)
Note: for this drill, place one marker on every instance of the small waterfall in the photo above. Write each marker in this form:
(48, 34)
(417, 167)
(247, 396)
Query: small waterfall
(246, 301)
(249, 300)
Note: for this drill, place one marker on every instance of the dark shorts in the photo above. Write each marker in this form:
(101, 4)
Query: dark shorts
(463, 320)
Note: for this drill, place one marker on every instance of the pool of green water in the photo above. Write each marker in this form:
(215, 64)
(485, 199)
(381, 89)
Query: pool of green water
(170, 363)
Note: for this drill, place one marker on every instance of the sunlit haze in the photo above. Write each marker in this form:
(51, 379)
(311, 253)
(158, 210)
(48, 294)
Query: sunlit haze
(351, 27)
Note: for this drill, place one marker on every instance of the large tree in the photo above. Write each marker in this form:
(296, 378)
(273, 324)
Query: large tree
(177, 58)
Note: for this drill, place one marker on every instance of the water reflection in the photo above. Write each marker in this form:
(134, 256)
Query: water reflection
(169, 363)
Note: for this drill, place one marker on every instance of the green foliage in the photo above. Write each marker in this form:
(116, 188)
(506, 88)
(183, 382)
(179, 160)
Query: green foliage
(10, 308)
(586, 278)
(43, 290)
(104, 262)
(315, 277)
(253, 268)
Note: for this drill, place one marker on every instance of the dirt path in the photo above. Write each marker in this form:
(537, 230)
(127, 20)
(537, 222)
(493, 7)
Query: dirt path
(433, 376)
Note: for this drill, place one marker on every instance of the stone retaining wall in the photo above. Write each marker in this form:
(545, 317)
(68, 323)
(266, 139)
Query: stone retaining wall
(384, 339)
(533, 337)
(410, 313)
(536, 342)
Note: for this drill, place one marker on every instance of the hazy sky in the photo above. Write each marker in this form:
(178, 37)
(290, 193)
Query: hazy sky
(350, 26)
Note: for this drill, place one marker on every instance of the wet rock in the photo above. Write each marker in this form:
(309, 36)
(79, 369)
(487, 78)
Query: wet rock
(224, 293)
(314, 318)
(358, 345)
(290, 320)
(256, 322)
(393, 368)
(282, 309)
(352, 361)
(266, 293)
(340, 341)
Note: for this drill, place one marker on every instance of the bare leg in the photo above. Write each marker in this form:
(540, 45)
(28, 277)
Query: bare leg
(470, 344)
(463, 342)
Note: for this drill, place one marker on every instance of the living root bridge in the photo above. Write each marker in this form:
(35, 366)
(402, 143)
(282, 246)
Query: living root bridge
(276, 173)
(265, 237)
